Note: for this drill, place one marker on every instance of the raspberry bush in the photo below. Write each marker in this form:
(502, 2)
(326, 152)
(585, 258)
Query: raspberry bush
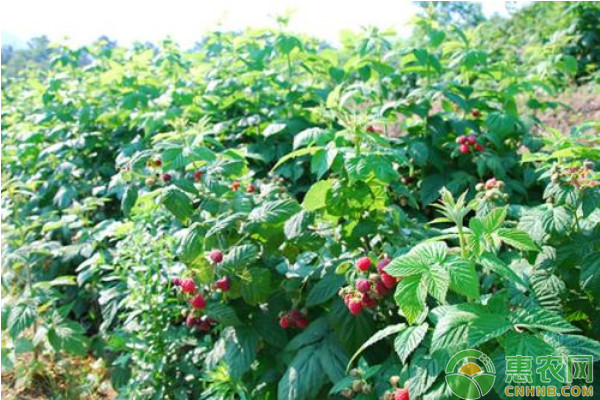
(269, 217)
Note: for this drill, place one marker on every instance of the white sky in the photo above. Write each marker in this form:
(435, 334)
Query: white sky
(185, 21)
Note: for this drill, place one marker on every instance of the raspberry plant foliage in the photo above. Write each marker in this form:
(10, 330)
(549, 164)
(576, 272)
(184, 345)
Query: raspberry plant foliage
(268, 217)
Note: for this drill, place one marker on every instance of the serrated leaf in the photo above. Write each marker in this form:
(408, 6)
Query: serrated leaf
(464, 279)
(240, 256)
(20, 318)
(316, 196)
(273, 212)
(490, 261)
(304, 377)
(379, 335)
(409, 339)
(556, 220)
(257, 289)
(241, 344)
(191, 245)
(324, 289)
(128, 200)
(410, 296)
(517, 239)
(222, 313)
(178, 203)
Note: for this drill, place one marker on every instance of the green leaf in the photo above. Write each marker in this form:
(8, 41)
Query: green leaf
(69, 337)
(590, 201)
(20, 318)
(517, 239)
(297, 225)
(540, 318)
(191, 245)
(294, 154)
(178, 203)
(240, 256)
(490, 261)
(258, 288)
(304, 377)
(409, 339)
(222, 313)
(464, 279)
(333, 358)
(410, 296)
(316, 196)
(241, 344)
(379, 335)
(310, 136)
(557, 220)
(274, 128)
(315, 332)
(273, 212)
(128, 200)
(324, 289)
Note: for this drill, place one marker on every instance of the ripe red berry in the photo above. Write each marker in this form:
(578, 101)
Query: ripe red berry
(368, 301)
(363, 263)
(302, 322)
(166, 177)
(198, 302)
(204, 324)
(235, 186)
(295, 315)
(471, 139)
(176, 281)
(363, 285)
(476, 113)
(284, 322)
(224, 284)
(216, 256)
(401, 394)
(250, 188)
(478, 147)
(198, 175)
(464, 148)
(381, 264)
(381, 289)
(490, 183)
(355, 306)
(462, 139)
(388, 281)
(347, 298)
(190, 321)
(188, 285)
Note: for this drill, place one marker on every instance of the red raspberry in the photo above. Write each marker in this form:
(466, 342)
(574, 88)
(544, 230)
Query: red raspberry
(383, 263)
(478, 147)
(224, 284)
(198, 175)
(250, 188)
(302, 322)
(191, 321)
(471, 139)
(363, 285)
(284, 322)
(198, 302)
(347, 298)
(401, 394)
(462, 139)
(388, 281)
(204, 324)
(476, 113)
(490, 183)
(188, 286)
(166, 177)
(216, 256)
(295, 315)
(464, 148)
(368, 301)
(355, 306)
(176, 281)
(363, 263)
(381, 289)
(235, 186)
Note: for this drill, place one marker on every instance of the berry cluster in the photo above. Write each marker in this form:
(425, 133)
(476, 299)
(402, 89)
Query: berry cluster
(577, 177)
(467, 144)
(293, 319)
(367, 290)
(397, 393)
(359, 385)
(197, 301)
(491, 190)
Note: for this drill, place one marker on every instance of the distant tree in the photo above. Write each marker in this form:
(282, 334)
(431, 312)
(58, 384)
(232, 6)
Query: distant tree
(462, 13)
